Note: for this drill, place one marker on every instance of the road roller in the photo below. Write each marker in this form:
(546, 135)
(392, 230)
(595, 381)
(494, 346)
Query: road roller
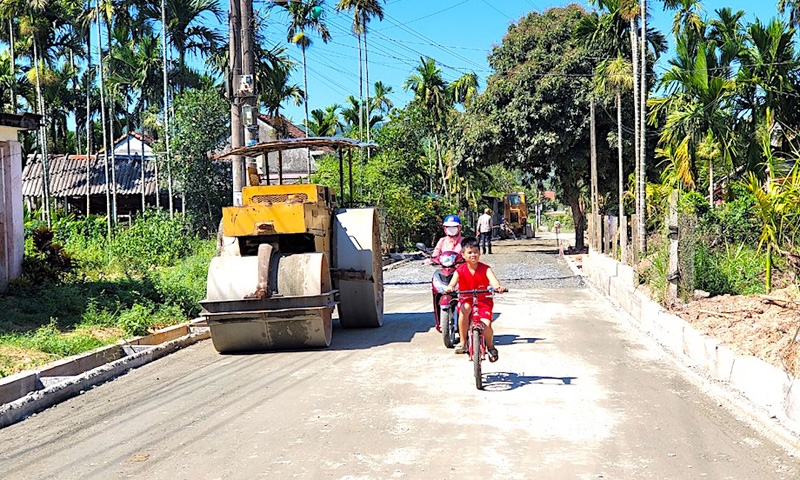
(287, 258)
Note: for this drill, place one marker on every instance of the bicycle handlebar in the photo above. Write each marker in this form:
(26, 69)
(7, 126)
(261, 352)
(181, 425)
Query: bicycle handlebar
(475, 292)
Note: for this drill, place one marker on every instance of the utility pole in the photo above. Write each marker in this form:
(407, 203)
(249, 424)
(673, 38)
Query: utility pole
(244, 97)
(235, 65)
(249, 97)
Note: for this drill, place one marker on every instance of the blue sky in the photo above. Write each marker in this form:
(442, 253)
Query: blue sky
(459, 34)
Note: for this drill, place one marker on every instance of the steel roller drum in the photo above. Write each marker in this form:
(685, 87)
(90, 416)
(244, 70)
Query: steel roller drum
(357, 242)
(297, 316)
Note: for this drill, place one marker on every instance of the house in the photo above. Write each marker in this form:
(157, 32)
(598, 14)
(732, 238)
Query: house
(78, 183)
(12, 234)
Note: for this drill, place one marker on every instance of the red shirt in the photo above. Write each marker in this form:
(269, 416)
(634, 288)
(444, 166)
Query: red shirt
(474, 281)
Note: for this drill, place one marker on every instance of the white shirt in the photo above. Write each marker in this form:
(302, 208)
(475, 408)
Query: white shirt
(485, 223)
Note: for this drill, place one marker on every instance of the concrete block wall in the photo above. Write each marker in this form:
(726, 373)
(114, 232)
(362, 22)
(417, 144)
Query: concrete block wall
(762, 383)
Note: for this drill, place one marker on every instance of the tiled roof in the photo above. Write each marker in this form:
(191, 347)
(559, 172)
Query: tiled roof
(292, 129)
(68, 176)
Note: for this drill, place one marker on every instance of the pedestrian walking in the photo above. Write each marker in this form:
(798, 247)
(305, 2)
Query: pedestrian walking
(485, 231)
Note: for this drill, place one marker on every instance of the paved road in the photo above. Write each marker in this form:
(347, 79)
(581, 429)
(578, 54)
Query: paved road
(577, 393)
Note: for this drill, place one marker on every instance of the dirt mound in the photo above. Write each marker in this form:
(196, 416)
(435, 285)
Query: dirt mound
(764, 326)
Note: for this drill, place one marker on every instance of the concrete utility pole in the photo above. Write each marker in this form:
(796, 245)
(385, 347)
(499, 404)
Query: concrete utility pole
(235, 65)
(244, 96)
(249, 97)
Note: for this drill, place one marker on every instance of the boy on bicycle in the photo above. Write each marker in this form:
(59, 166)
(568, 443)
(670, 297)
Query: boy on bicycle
(474, 275)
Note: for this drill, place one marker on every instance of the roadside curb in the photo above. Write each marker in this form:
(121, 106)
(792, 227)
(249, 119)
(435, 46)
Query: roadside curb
(765, 386)
(32, 391)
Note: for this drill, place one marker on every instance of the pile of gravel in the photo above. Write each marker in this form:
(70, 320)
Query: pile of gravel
(524, 269)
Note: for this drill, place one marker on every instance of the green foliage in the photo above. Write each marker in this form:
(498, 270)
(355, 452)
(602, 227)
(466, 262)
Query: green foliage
(567, 223)
(732, 269)
(533, 114)
(45, 261)
(199, 126)
(163, 278)
(140, 319)
(654, 269)
(184, 285)
(153, 240)
(49, 339)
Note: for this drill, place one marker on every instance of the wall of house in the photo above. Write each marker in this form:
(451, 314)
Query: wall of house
(12, 234)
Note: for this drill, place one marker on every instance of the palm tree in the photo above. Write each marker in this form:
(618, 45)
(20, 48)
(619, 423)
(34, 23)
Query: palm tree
(764, 79)
(793, 6)
(352, 113)
(325, 123)
(273, 90)
(698, 109)
(431, 93)
(188, 32)
(465, 89)
(381, 101)
(615, 77)
(12, 85)
(363, 12)
(303, 18)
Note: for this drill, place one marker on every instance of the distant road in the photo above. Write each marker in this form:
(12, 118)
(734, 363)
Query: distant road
(577, 393)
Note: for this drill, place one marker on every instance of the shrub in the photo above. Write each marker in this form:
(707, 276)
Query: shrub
(185, 284)
(49, 339)
(153, 239)
(732, 269)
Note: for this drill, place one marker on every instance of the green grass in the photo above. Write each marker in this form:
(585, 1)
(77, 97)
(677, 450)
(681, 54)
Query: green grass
(153, 277)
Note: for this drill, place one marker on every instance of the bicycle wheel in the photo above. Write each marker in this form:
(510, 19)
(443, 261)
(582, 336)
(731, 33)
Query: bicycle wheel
(445, 322)
(476, 358)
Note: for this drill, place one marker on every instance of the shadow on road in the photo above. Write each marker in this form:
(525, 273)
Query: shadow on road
(397, 328)
(512, 339)
(503, 381)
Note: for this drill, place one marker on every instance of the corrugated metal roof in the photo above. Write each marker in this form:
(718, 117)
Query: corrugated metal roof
(68, 176)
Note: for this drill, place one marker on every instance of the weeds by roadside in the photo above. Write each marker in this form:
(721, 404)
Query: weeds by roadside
(149, 275)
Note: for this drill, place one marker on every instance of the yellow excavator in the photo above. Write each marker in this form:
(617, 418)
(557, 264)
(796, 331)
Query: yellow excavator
(287, 257)
(515, 213)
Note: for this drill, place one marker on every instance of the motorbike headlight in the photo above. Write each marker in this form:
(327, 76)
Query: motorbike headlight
(447, 259)
(439, 283)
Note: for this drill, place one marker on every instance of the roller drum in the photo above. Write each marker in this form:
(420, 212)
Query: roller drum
(358, 247)
(232, 278)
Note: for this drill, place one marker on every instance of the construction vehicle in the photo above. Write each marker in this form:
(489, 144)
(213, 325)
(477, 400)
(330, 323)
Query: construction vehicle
(287, 257)
(515, 213)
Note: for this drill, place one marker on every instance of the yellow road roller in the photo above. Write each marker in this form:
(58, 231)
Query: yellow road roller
(286, 258)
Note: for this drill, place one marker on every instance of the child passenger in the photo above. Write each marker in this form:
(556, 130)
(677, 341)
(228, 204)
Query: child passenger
(474, 275)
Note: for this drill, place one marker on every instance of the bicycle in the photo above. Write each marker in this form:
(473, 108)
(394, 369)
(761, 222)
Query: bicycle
(476, 342)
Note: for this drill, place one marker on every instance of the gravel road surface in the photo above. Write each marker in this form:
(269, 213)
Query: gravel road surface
(577, 394)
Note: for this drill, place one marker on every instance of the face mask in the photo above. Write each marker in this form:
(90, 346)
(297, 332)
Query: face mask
(451, 231)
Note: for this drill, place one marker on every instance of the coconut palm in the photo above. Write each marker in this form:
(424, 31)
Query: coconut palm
(793, 7)
(304, 19)
(431, 93)
(381, 101)
(325, 123)
(363, 12)
(698, 108)
(464, 89)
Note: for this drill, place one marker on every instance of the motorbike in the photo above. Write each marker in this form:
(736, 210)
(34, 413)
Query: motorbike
(445, 305)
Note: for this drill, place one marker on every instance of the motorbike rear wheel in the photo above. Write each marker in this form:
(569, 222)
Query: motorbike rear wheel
(447, 322)
(476, 358)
